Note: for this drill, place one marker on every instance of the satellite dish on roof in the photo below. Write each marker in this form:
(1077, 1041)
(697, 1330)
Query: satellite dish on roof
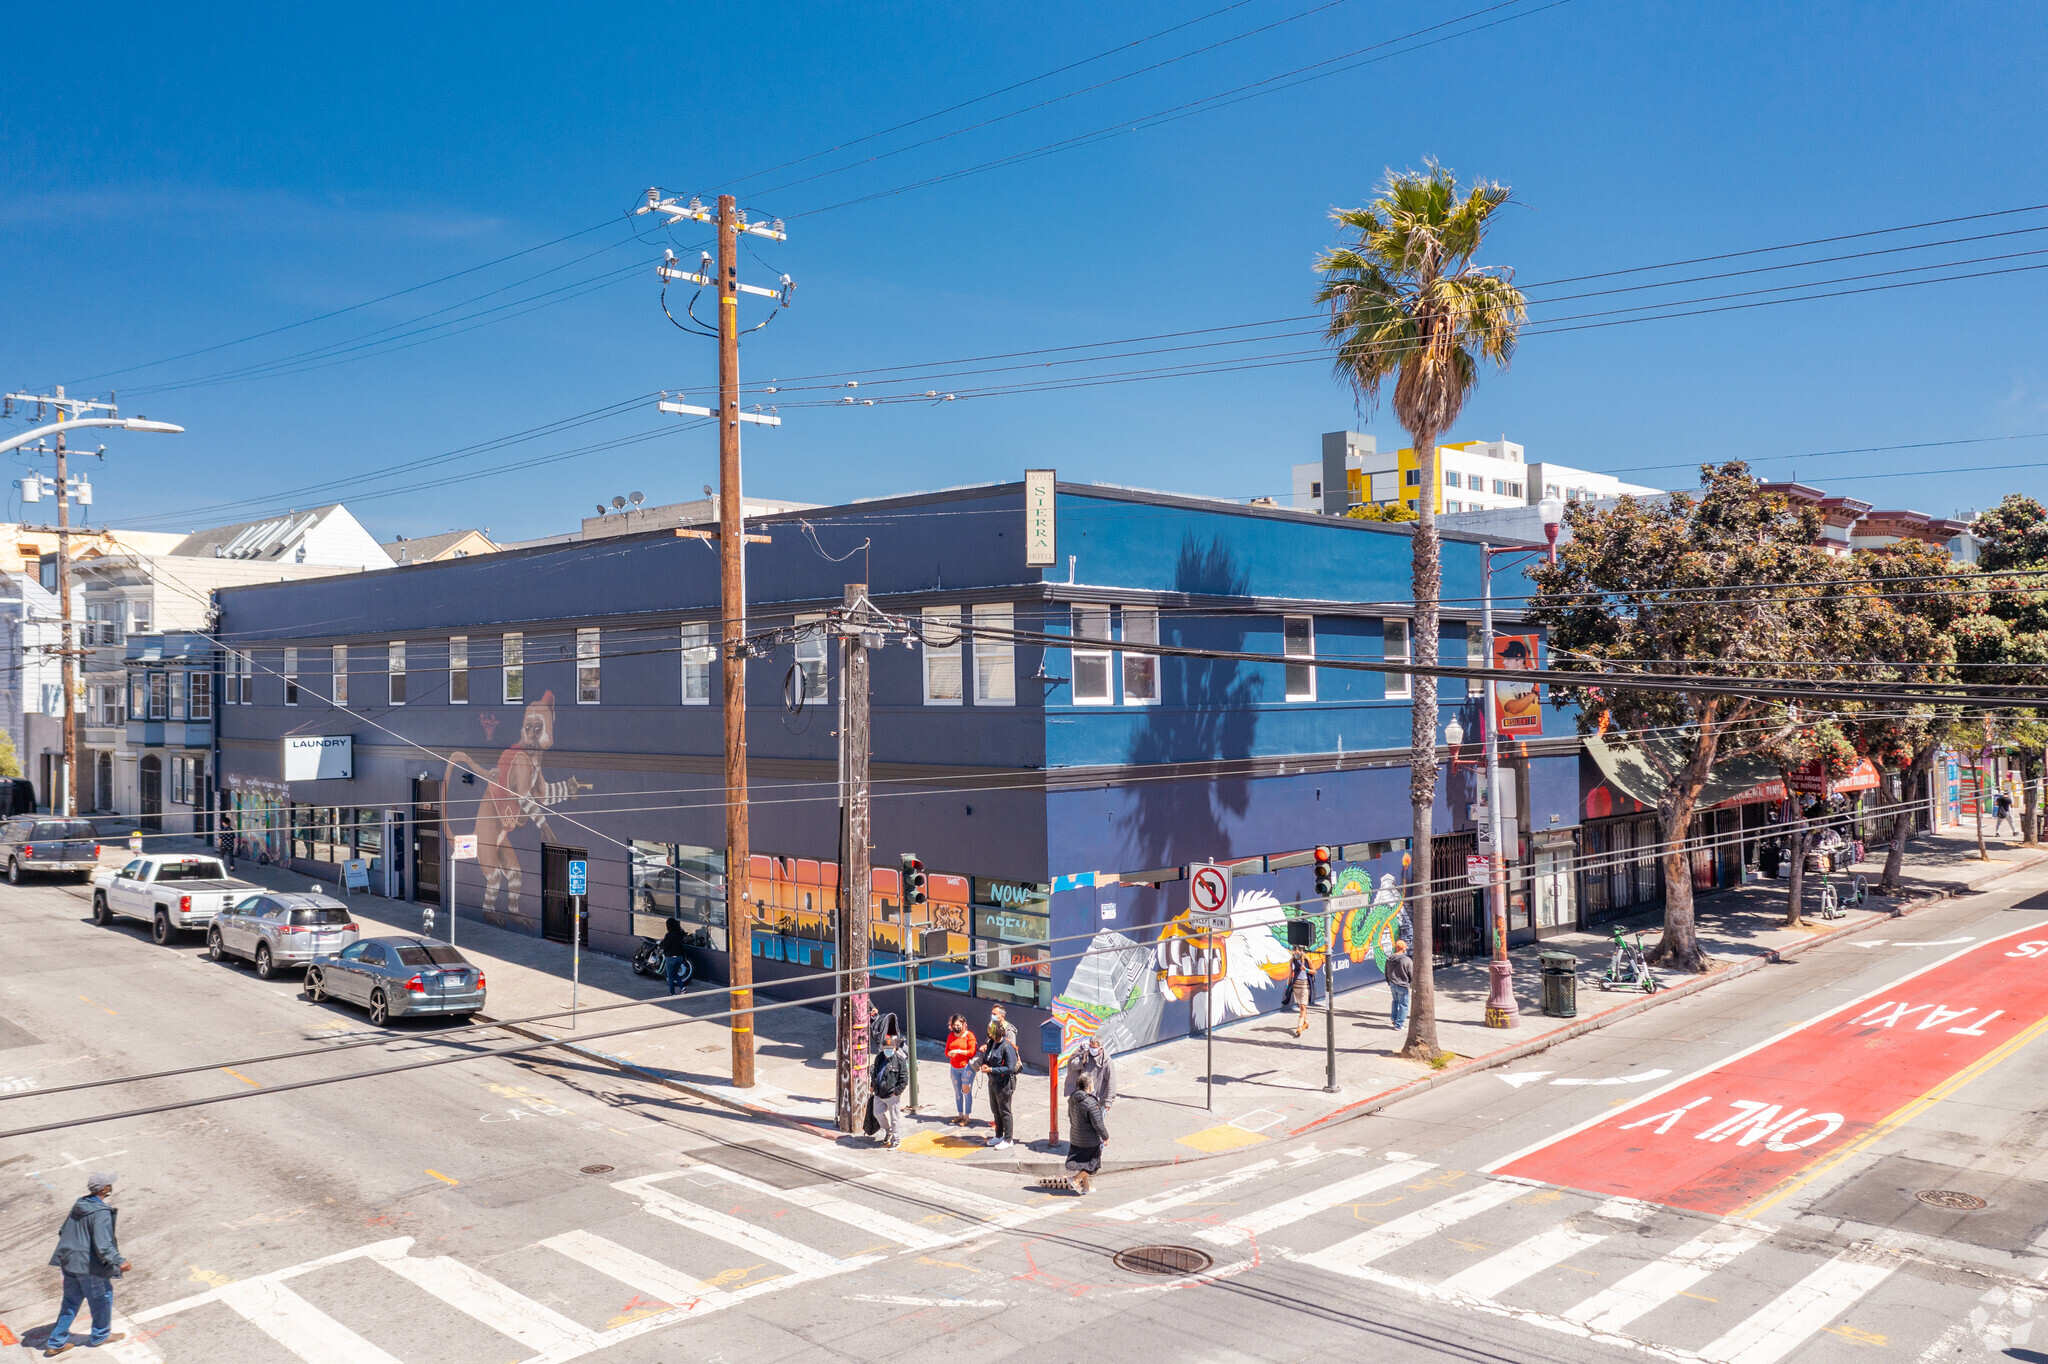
(636, 498)
(618, 504)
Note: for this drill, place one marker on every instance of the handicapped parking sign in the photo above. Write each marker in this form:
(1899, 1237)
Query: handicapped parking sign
(579, 877)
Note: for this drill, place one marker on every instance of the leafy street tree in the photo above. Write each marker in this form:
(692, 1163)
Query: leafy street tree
(10, 761)
(1696, 584)
(2014, 535)
(2015, 557)
(1796, 744)
(1383, 511)
(1409, 304)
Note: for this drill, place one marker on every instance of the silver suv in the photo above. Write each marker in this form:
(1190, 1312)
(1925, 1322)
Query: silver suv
(276, 929)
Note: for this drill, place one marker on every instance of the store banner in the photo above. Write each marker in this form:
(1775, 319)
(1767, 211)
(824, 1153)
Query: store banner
(1516, 704)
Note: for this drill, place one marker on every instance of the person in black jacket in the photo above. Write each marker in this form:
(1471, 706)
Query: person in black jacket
(91, 1260)
(1087, 1134)
(887, 1079)
(675, 948)
(1001, 1062)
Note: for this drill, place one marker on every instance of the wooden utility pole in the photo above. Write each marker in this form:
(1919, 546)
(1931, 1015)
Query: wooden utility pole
(856, 881)
(732, 581)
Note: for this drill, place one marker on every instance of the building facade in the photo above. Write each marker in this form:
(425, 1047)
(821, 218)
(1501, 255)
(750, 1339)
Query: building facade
(1472, 476)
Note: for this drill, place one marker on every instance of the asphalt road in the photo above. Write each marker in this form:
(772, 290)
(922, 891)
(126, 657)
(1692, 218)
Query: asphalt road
(462, 1213)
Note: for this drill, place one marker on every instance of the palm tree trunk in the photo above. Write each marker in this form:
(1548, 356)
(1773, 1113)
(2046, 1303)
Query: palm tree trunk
(1421, 1043)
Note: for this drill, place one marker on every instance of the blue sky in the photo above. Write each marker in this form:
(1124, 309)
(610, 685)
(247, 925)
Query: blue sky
(182, 179)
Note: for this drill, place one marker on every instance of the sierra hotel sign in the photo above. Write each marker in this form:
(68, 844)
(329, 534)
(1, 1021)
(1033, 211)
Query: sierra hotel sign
(319, 757)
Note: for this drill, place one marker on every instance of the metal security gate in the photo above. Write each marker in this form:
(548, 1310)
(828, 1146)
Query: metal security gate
(1457, 907)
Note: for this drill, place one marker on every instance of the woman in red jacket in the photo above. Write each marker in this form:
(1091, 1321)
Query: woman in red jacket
(961, 1049)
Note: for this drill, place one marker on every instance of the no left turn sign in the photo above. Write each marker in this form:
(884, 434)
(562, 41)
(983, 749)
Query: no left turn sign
(1209, 891)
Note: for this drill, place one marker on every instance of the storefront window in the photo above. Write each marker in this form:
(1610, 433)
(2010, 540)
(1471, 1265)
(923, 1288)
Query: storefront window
(1011, 956)
(370, 839)
(683, 881)
(1556, 904)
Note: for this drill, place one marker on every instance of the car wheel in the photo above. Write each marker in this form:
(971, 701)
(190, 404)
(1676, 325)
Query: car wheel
(162, 930)
(316, 990)
(215, 948)
(13, 871)
(380, 1012)
(101, 915)
(264, 968)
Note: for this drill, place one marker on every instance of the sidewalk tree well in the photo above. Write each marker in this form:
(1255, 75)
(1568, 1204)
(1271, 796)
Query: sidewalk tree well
(1691, 583)
(1409, 304)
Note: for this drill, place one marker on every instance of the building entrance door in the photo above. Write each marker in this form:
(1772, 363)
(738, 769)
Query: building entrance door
(1458, 908)
(152, 775)
(554, 889)
(426, 841)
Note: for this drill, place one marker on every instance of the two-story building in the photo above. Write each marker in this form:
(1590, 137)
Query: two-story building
(563, 702)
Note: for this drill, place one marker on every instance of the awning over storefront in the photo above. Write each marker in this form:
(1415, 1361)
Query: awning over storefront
(1745, 779)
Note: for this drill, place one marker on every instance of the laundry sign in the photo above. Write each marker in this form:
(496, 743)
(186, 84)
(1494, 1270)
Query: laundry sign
(319, 757)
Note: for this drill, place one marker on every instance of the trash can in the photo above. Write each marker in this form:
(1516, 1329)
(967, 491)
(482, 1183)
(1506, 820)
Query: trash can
(1560, 984)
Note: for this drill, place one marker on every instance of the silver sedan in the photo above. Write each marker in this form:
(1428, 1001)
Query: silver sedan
(399, 977)
(276, 929)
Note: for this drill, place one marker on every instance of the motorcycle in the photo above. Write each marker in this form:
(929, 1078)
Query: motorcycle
(649, 961)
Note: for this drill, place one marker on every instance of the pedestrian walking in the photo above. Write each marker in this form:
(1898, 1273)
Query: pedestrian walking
(1301, 987)
(1092, 1062)
(888, 1078)
(1400, 982)
(1087, 1134)
(2003, 805)
(91, 1260)
(675, 947)
(961, 1048)
(1001, 1062)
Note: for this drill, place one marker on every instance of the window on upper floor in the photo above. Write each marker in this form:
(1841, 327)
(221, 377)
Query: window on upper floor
(514, 659)
(395, 670)
(1450, 653)
(1315, 488)
(1412, 478)
(141, 616)
(586, 666)
(1299, 637)
(199, 684)
(159, 696)
(458, 670)
(942, 656)
(698, 656)
(138, 694)
(1141, 671)
(1394, 633)
(1454, 505)
(1453, 479)
(177, 676)
(995, 656)
(1550, 490)
(1091, 667)
(291, 676)
(341, 674)
(813, 662)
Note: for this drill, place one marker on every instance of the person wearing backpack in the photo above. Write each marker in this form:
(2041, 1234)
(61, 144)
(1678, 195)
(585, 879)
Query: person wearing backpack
(1001, 1062)
(887, 1080)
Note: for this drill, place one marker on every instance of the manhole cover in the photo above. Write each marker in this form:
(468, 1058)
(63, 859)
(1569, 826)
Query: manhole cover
(597, 1169)
(1168, 1260)
(1951, 1198)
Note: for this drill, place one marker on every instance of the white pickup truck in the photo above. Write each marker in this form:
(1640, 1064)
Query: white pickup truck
(171, 894)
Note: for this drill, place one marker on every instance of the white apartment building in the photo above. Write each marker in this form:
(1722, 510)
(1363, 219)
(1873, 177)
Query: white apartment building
(1472, 476)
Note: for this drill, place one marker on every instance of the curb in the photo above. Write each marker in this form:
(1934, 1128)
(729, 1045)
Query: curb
(1360, 1108)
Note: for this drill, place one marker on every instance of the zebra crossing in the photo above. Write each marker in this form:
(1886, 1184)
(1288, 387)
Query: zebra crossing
(1612, 1270)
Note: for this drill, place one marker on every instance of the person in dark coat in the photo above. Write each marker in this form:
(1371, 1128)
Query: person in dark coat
(888, 1077)
(1001, 1062)
(1400, 972)
(1092, 1060)
(675, 948)
(1087, 1134)
(91, 1260)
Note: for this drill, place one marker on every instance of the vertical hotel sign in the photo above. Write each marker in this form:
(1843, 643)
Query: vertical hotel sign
(1039, 530)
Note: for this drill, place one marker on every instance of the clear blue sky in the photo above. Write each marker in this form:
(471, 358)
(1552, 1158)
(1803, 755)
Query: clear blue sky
(177, 178)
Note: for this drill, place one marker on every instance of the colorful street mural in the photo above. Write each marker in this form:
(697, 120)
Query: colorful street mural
(518, 794)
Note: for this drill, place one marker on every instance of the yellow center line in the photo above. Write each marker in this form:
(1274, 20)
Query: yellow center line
(1906, 1112)
(443, 1178)
(243, 1078)
(97, 1005)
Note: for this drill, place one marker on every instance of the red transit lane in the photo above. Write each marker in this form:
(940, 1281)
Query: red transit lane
(1728, 1136)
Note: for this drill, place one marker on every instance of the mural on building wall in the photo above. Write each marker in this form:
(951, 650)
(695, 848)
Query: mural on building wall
(519, 794)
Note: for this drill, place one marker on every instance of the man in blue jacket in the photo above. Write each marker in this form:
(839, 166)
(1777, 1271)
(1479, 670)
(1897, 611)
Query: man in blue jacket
(91, 1260)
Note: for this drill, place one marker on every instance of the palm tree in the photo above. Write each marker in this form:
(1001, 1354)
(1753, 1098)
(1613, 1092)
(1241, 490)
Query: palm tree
(1407, 303)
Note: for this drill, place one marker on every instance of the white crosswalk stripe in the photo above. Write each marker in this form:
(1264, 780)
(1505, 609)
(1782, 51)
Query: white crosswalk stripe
(808, 1263)
(540, 1328)
(821, 1199)
(1771, 1334)
(1293, 1210)
(638, 1272)
(1656, 1283)
(1361, 1250)
(1185, 1194)
(990, 1214)
(298, 1325)
(1493, 1276)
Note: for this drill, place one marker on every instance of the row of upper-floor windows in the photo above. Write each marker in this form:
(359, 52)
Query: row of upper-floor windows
(161, 694)
(1478, 483)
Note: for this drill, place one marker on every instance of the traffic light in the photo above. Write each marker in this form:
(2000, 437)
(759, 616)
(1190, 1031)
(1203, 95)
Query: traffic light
(1326, 875)
(913, 881)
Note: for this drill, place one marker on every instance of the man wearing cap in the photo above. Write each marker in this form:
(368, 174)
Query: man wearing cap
(91, 1261)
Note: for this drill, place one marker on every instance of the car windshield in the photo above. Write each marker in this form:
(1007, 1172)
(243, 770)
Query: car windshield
(64, 830)
(190, 871)
(314, 917)
(430, 954)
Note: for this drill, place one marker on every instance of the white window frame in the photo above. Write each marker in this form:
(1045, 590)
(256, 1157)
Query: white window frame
(995, 659)
(814, 663)
(513, 666)
(589, 665)
(939, 622)
(1453, 479)
(1147, 620)
(1099, 654)
(199, 690)
(159, 694)
(698, 655)
(1307, 670)
(1400, 686)
(141, 616)
(394, 669)
(291, 675)
(458, 670)
(340, 688)
(177, 686)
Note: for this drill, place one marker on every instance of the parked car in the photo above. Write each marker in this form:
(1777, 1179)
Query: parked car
(398, 978)
(48, 845)
(276, 929)
(17, 797)
(171, 894)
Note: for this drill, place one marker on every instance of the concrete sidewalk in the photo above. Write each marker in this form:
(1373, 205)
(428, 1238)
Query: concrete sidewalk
(1268, 1085)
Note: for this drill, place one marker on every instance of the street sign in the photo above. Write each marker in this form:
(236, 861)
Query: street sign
(1478, 870)
(1209, 896)
(1341, 904)
(465, 848)
(579, 877)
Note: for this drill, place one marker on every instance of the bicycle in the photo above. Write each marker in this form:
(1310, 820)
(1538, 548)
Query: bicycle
(1630, 968)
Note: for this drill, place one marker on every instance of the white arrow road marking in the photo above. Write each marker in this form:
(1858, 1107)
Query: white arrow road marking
(1527, 1077)
(1634, 1079)
(1873, 942)
(1941, 942)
